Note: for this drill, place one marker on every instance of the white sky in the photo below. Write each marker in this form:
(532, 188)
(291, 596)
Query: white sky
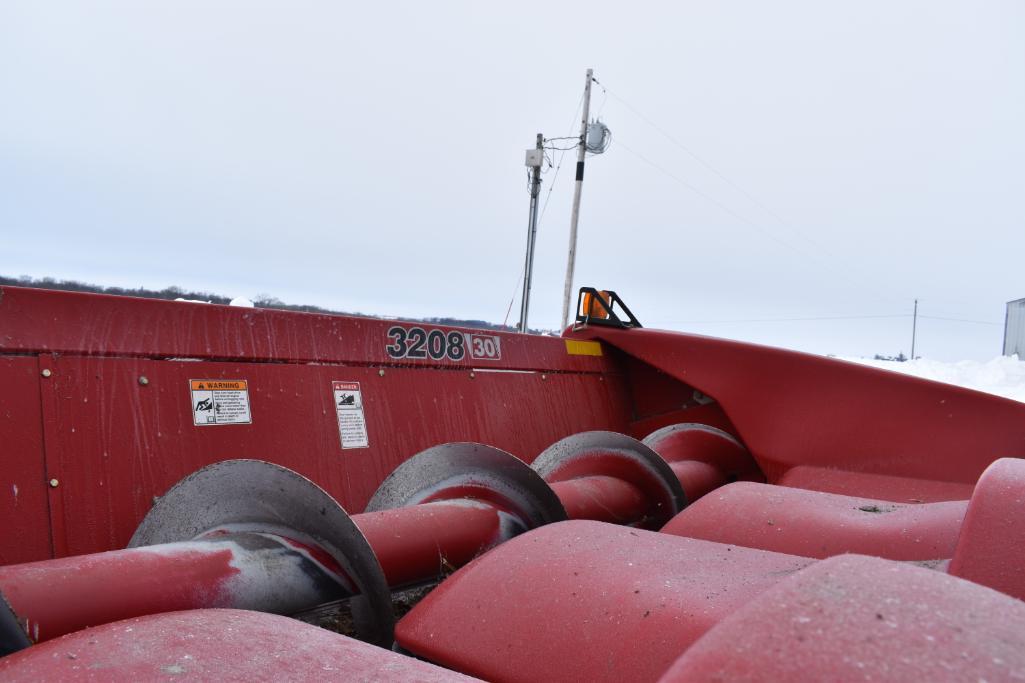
(369, 157)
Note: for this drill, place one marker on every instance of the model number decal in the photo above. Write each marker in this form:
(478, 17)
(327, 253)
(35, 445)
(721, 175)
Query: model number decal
(418, 343)
(485, 347)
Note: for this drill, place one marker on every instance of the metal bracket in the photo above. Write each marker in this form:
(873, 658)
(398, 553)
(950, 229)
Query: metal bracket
(612, 319)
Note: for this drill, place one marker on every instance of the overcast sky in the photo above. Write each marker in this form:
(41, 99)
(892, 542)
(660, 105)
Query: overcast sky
(369, 157)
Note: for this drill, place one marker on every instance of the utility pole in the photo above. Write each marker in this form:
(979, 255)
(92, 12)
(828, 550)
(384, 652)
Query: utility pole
(914, 329)
(581, 151)
(535, 157)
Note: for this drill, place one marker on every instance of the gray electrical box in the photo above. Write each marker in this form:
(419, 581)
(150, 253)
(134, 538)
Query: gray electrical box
(1014, 329)
(535, 157)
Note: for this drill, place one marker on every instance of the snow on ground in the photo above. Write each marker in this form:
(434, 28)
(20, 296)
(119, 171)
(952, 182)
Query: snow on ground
(1003, 376)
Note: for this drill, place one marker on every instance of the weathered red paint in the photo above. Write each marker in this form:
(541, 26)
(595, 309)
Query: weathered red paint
(110, 422)
(113, 443)
(214, 645)
(421, 542)
(878, 486)
(603, 499)
(991, 547)
(855, 618)
(23, 489)
(793, 409)
(55, 597)
(703, 458)
(816, 524)
(585, 601)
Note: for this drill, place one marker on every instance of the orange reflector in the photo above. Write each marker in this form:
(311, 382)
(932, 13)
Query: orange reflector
(592, 308)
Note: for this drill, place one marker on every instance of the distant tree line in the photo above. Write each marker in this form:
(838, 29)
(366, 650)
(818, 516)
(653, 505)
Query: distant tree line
(261, 300)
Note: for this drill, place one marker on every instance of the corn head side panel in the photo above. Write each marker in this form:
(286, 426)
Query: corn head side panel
(105, 384)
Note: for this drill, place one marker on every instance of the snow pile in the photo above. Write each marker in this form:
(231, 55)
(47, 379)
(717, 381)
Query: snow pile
(242, 301)
(1003, 376)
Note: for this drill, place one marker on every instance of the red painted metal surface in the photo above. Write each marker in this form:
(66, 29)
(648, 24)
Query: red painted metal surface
(69, 323)
(794, 409)
(95, 397)
(603, 499)
(855, 618)
(879, 486)
(114, 412)
(820, 525)
(214, 645)
(703, 457)
(585, 601)
(417, 543)
(991, 548)
(24, 513)
(55, 597)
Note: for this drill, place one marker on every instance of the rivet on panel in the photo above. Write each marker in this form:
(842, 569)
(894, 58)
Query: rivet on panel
(54, 483)
(544, 376)
(143, 380)
(46, 372)
(472, 375)
(380, 373)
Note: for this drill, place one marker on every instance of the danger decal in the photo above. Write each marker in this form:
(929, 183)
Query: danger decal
(352, 423)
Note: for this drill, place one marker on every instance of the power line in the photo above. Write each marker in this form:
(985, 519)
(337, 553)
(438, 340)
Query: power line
(959, 320)
(881, 296)
(751, 198)
(714, 201)
(828, 317)
(778, 320)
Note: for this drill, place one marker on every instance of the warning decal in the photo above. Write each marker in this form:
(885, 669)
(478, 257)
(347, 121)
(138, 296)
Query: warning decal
(220, 402)
(352, 424)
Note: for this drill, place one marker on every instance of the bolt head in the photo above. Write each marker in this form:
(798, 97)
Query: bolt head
(143, 381)
(46, 372)
(54, 483)
(380, 373)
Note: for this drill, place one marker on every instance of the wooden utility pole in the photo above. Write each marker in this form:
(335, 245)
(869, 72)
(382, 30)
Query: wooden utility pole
(575, 216)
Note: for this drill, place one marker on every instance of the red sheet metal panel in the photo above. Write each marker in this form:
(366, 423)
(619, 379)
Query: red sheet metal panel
(881, 486)
(794, 409)
(585, 601)
(114, 443)
(23, 487)
(35, 320)
(815, 524)
(855, 618)
(214, 645)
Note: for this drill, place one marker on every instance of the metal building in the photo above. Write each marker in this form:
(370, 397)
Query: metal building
(1014, 329)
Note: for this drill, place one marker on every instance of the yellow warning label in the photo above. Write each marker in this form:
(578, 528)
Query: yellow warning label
(575, 347)
(218, 385)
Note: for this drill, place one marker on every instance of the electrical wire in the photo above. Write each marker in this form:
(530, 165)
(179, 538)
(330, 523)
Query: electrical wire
(750, 197)
(959, 320)
(858, 283)
(714, 201)
(828, 317)
(780, 320)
